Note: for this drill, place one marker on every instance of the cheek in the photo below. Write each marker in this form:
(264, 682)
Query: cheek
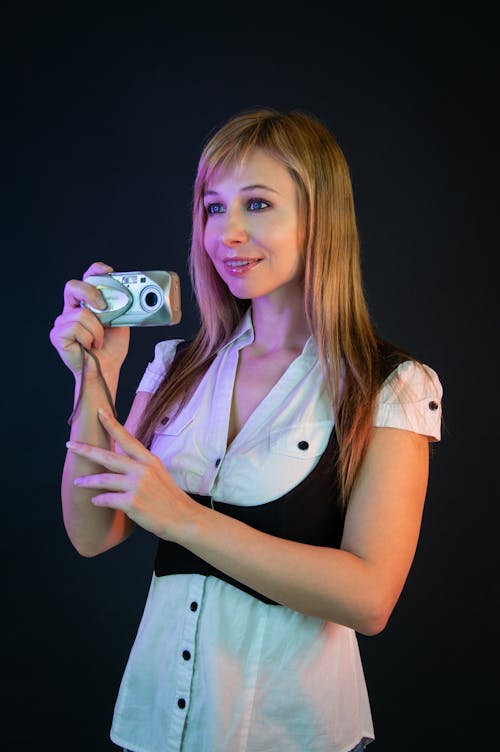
(208, 240)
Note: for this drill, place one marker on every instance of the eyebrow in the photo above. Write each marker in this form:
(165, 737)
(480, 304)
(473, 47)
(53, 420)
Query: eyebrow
(254, 187)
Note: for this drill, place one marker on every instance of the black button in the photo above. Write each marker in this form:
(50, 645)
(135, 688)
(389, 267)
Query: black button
(193, 606)
(303, 445)
(217, 462)
(164, 420)
(186, 655)
(181, 702)
(433, 405)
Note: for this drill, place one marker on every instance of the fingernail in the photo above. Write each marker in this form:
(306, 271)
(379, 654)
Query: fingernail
(70, 445)
(103, 412)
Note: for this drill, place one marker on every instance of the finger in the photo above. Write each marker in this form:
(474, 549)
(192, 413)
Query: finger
(130, 445)
(98, 267)
(110, 500)
(81, 318)
(77, 291)
(109, 481)
(117, 463)
(64, 337)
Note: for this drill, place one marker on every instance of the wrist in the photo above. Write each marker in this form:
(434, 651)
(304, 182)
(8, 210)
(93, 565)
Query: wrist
(93, 386)
(95, 367)
(191, 521)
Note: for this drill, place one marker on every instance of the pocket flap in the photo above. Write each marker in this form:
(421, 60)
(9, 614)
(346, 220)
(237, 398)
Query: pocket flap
(174, 426)
(302, 441)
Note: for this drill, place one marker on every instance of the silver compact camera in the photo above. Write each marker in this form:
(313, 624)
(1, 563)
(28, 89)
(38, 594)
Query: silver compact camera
(138, 298)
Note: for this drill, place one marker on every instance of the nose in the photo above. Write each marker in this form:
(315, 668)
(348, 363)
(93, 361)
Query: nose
(234, 232)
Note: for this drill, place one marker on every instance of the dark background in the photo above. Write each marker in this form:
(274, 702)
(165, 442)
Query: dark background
(105, 111)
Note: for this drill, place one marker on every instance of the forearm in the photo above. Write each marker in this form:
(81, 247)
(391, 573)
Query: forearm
(328, 583)
(90, 529)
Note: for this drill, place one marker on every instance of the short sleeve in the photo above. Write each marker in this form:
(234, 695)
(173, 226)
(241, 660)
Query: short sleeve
(410, 398)
(158, 367)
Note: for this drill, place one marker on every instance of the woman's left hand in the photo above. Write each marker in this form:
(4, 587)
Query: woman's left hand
(137, 482)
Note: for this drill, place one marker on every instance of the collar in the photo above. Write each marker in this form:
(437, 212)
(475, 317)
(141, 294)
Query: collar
(244, 335)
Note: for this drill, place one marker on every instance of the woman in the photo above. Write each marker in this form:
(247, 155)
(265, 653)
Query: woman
(280, 457)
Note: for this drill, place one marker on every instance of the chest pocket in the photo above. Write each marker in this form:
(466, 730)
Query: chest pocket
(174, 427)
(302, 441)
(173, 444)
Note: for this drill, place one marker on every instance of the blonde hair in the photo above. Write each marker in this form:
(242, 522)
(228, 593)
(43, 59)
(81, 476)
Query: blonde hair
(349, 351)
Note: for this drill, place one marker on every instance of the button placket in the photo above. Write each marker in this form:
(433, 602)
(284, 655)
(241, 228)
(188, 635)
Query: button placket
(186, 659)
(219, 419)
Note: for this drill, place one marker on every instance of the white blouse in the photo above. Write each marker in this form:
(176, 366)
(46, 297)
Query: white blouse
(212, 668)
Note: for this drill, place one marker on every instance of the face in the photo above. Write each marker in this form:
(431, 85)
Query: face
(252, 233)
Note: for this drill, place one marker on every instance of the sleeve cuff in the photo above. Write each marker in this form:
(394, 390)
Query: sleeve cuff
(410, 399)
(156, 370)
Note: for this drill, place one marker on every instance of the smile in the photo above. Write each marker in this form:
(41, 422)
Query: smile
(240, 266)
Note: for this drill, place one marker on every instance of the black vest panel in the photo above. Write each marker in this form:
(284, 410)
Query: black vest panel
(309, 513)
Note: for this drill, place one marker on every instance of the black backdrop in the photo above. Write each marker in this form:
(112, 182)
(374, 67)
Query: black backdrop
(105, 112)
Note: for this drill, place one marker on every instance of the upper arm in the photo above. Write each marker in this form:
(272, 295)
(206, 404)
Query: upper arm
(141, 399)
(384, 513)
(151, 380)
(385, 508)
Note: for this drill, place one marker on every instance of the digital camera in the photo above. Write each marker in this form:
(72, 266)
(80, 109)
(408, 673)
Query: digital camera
(138, 298)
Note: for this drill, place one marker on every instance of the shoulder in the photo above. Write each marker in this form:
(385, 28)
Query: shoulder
(156, 370)
(410, 398)
(411, 381)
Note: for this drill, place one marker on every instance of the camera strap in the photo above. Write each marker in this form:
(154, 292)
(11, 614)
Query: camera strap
(83, 350)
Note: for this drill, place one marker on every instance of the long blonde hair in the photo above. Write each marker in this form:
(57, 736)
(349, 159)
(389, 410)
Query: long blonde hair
(350, 353)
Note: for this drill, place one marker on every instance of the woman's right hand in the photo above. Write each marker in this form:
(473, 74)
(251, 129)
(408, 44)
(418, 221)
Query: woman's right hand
(77, 325)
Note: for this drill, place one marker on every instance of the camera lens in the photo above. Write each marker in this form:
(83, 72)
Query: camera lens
(151, 299)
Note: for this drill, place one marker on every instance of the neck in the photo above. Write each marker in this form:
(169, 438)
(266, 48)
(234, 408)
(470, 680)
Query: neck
(279, 320)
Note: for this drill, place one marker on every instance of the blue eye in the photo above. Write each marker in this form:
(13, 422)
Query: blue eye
(258, 204)
(214, 208)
